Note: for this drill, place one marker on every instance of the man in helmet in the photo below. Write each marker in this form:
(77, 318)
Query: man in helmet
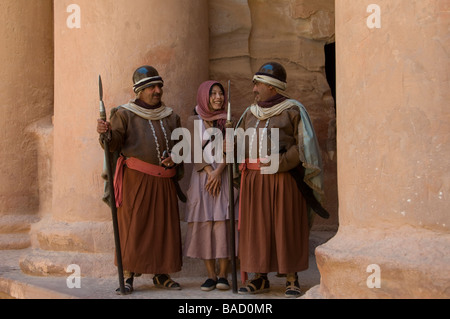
(145, 182)
(274, 218)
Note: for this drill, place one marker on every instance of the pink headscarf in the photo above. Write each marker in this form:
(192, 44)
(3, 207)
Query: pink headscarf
(203, 109)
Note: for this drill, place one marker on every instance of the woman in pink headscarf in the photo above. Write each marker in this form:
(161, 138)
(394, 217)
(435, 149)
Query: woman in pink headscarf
(206, 212)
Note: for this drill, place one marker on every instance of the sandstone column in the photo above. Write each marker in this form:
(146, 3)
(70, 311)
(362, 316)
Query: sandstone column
(111, 38)
(26, 96)
(393, 124)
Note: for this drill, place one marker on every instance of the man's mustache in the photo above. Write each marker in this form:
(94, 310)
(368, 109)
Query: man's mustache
(256, 96)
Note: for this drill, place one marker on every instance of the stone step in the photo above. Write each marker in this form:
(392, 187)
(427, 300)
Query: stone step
(48, 260)
(14, 241)
(84, 237)
(14, 283)
(10, 224)
(14, 231)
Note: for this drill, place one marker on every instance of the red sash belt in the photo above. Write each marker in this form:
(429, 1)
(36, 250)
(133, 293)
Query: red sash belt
(138, 165)
(250, 166)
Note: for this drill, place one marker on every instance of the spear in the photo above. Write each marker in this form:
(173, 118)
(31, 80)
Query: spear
(229, 124)
(112, 200)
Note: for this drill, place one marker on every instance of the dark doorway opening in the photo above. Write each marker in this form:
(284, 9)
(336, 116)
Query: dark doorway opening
(330, 67)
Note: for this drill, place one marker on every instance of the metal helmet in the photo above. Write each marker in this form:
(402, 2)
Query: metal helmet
(274, 70)
(144, 77)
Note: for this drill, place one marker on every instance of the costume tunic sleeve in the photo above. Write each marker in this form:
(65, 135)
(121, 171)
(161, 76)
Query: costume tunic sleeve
(289, 146)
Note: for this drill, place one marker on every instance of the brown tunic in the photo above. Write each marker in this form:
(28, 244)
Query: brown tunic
(148, 219)
(274, 228)
(133, 135)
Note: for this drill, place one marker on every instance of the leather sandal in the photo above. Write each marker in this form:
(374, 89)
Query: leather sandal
(128, 286)
(257, 285)
(292, 288)
(164, 281)
(128, 289)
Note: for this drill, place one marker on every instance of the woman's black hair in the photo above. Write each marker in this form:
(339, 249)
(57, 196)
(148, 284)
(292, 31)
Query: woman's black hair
(219, 85)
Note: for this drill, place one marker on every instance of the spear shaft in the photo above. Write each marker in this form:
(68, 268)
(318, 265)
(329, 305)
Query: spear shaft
(112, 199)
(229, 124)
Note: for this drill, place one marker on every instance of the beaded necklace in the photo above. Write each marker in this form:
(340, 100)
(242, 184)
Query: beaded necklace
(261, 138)
(156, 139)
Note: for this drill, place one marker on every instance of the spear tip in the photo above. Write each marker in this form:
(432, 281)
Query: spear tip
(100, 87)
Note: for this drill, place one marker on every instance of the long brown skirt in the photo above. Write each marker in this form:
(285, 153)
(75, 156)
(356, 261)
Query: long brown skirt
(274, 231)
(149, 224)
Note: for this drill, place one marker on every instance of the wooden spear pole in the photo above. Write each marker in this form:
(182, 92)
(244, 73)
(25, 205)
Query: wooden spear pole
(112, 199)
(231, 212)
